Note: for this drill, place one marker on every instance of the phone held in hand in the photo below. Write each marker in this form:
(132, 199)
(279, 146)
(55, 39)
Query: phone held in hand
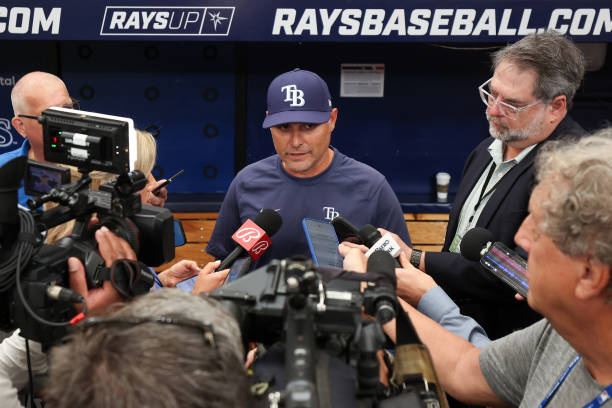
(168, 181)
(322, 242)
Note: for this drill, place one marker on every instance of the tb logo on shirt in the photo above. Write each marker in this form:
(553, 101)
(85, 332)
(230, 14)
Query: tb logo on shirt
(330, 213)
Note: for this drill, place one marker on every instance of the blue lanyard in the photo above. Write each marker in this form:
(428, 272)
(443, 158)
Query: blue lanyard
(601, 399)
(598, 401)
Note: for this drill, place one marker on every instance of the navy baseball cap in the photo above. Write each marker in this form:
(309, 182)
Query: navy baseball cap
(297, 96)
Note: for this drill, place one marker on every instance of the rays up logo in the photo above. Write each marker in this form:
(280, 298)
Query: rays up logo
(167, 21)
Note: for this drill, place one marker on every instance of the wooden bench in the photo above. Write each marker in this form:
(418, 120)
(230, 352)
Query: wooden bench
(426, 231)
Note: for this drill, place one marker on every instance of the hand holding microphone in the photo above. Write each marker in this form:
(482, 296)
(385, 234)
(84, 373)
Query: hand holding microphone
(373, 239)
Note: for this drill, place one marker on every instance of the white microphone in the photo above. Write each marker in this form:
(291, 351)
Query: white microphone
(386, 244)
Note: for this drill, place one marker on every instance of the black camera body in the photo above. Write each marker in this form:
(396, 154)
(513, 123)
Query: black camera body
(316, 313)
(29, 269)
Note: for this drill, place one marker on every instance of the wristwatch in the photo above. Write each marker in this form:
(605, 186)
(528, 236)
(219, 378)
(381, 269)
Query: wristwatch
(415, 258)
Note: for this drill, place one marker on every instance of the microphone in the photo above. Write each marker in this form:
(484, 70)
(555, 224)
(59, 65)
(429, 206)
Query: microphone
(383, 302)
(373, 239)
(253, 237)
(344, 229)
(477, 244)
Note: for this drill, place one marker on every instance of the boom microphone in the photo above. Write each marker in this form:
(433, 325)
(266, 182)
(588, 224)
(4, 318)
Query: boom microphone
(253, 236)
(477, 244)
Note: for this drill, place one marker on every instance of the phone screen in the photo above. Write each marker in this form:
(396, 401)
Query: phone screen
(508, 266)
(323, 242)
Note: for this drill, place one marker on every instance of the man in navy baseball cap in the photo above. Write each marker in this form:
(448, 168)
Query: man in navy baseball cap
(307, 178)
(301, 119)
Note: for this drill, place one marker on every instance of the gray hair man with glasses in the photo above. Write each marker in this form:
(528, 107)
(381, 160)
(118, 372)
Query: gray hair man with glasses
(527, 100)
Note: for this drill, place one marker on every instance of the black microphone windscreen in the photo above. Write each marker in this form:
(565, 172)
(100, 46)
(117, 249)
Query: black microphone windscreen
(473, 241)
(369, 235)
(344, 228)
(383, 262)
(269, 221)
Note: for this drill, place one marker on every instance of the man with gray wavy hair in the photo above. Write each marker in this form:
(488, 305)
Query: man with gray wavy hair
(143, 356)
(527, 102)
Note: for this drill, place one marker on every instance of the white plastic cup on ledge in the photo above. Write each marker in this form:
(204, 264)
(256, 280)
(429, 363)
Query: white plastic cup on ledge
(442, 183)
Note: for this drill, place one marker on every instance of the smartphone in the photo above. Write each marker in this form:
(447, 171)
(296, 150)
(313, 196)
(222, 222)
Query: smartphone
(168, 181)
(508, 266)
(323, 242)
(40, 178)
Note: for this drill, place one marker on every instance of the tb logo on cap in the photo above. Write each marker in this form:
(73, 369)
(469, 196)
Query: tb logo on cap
(294, 95)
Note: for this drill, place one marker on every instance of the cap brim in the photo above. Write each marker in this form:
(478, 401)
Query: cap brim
(280, 118)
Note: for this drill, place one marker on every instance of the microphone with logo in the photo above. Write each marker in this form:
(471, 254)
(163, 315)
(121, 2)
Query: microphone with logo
(374, 240)
(477, 244)
(253, 237)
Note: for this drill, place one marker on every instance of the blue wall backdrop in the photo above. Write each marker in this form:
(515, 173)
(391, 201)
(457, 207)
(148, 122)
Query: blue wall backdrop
(182, 93)
(205, 101)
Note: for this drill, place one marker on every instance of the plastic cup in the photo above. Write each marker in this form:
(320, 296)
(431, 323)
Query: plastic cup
(442, 183)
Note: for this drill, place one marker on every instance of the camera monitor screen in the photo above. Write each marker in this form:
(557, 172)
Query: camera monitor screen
(40, 178)
(89, 140)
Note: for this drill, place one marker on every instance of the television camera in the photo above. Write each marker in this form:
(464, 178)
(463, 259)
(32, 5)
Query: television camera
(317, 313)
(34, 276)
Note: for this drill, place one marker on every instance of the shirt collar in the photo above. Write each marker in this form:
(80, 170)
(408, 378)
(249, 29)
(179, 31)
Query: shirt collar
(496, 150)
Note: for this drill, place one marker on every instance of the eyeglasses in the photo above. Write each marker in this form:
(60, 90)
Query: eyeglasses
(207, 330)
(506, 109)
(74, 104)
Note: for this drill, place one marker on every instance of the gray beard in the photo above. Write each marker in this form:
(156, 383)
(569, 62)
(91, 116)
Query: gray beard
(507, 135)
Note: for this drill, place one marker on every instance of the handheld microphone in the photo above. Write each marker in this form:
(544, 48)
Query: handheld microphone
(344, 229)
(497, 258)
(253, 237)
(373, 239)
(384, 305)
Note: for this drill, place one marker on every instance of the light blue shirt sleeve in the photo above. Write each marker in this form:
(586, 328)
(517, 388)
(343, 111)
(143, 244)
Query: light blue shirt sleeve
(436, 304)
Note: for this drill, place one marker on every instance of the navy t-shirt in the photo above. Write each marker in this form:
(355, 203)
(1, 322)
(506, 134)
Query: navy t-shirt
(346, 188)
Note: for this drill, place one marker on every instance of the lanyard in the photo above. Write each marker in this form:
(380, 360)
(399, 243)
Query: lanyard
(483, 189)
(595, 403)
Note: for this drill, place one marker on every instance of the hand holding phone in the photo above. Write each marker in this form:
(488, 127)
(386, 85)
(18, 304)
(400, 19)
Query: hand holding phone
(323, 242)
(168, 181)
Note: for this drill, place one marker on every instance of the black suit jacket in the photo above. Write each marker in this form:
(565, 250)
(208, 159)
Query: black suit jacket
(478, 292)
